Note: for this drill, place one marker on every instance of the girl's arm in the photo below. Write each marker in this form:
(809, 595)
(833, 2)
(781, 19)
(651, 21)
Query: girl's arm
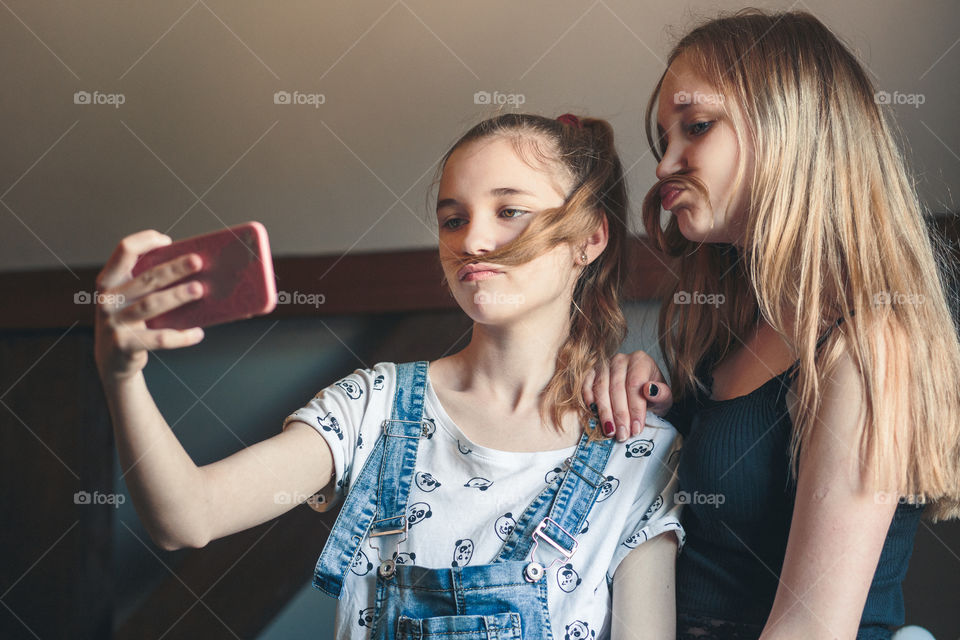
(180, 504)
(644, 598)
(838, 527)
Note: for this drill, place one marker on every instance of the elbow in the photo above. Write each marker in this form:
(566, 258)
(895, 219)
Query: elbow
(169, 542)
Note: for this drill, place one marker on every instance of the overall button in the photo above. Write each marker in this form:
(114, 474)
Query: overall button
(533, 572)
(386, 569)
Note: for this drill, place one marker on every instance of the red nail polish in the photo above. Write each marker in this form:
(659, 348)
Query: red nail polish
(608, 429)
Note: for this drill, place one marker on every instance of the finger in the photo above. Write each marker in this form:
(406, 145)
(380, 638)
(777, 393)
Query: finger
(618, 396)
(587, 390)
(159, 302)
(641, 370)
(659, 397)
(132, 340)
(118, 266)
(601, 396)
(160, 276)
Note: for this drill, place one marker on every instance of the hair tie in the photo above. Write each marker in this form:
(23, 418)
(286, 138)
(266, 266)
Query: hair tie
(570, 119)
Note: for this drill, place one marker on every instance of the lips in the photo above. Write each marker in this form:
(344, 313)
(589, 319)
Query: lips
(477, 271)
(669, 194)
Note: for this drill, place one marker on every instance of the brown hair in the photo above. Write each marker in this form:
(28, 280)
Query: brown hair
(588, 155)
(834, 229)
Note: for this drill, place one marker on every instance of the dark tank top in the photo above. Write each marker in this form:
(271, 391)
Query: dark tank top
(734, 475)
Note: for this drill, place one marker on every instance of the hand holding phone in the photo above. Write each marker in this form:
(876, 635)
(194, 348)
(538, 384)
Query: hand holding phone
(237, 277)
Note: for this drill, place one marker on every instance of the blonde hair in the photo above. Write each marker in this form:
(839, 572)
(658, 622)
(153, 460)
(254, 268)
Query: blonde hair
(834, 229)
(583, 149)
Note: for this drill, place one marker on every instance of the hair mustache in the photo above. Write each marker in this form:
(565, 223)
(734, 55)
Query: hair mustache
(683, 181)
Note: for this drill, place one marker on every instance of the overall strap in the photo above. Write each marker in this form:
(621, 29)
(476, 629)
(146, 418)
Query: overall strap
(555, 517)
(376, 503)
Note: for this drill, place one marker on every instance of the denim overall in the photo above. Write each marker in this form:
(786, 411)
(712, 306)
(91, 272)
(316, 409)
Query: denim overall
(504, 599)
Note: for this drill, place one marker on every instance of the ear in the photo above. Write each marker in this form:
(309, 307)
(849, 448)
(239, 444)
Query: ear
(597, 241)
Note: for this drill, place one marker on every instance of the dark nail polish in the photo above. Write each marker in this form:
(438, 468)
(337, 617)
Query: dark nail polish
(593, 407)
(608, 429)
(654, 390)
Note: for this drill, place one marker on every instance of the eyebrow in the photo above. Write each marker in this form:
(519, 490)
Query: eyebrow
(497, 192)
(676, 109)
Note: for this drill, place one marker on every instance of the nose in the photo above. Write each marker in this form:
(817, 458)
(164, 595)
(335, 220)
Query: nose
(672, 162)
(480, 236)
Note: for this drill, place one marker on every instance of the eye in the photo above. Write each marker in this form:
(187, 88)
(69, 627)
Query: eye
(513, 213)
(699, 128)
(453, 223)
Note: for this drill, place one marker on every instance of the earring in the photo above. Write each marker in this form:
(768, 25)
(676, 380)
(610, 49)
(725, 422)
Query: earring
(583, 258)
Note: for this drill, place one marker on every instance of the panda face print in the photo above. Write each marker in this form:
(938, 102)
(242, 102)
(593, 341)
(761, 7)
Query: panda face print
(579, 630)
(429, 427)
(330, 423)
(361, 564)
(553, 475)
(654, 506)
(425, 481)
(360, 440)
(351, 388)
(586, 527)
(378, 382)
(607, 488)
(464, 450)
(404, 557)
(418, 512)
(504, 525)
(462, 553)
(478, 483)
(366, 617)
(639, 448)
(637, 538)
(568, 578)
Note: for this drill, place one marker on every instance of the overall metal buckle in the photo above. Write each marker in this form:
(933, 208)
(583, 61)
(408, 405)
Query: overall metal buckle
(388, 566)
(534, 570)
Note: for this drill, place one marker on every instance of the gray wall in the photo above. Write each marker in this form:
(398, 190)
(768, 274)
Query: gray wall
(199, 141)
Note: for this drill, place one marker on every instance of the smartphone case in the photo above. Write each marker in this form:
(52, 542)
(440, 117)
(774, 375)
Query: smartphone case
(237, 277)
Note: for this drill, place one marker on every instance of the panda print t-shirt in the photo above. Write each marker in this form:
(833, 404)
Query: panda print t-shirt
(465, 500)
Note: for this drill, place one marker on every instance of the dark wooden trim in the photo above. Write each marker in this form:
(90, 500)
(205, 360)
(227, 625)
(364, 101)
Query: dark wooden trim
(391, 281)
(394, 281)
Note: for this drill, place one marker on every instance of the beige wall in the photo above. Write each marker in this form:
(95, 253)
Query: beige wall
(399, 78)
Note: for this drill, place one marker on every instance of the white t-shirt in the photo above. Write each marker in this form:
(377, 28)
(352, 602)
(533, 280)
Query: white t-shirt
(465, 499)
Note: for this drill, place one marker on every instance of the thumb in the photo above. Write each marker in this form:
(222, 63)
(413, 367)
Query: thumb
(659, 398)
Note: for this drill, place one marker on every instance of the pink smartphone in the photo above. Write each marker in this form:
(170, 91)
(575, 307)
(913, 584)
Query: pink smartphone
(237, 277)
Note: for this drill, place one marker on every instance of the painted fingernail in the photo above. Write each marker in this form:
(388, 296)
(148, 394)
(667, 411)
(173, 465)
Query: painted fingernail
(608, 429)
(654, 390)
(593, 407)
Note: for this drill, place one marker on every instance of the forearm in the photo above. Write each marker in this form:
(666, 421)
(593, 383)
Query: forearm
(165, 485)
